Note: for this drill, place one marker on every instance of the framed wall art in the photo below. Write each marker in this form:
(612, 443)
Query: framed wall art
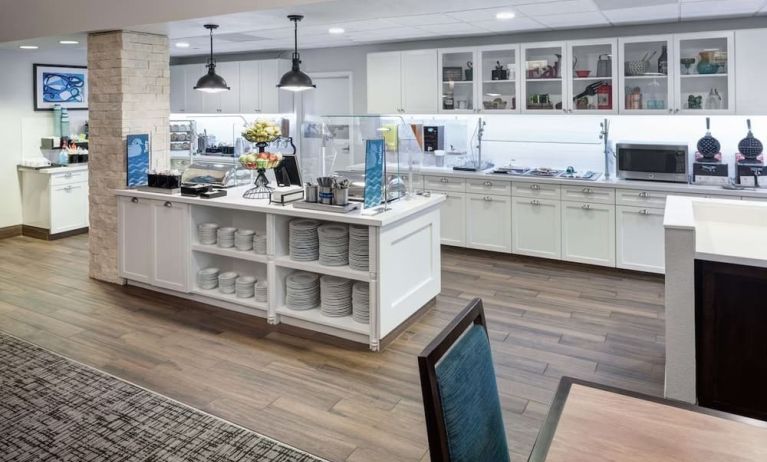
(60, 84)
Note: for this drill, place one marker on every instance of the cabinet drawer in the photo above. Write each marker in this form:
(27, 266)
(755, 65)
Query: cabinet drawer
(78, 176)
(444, 183)
(640, 198)
(588, 194)
(538, 190)
(488, 186)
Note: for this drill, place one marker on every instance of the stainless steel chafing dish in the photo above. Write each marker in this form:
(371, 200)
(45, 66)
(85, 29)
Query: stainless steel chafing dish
(214, 173)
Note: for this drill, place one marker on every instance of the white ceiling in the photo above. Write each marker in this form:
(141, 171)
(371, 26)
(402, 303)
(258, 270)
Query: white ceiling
(376, 21)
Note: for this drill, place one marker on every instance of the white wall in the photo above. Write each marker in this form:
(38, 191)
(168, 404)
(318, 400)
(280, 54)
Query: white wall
(20, 126)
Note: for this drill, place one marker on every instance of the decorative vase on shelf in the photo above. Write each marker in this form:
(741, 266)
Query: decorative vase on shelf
(705, 64)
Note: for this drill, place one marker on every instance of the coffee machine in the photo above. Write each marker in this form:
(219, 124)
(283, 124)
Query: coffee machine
(433, 138)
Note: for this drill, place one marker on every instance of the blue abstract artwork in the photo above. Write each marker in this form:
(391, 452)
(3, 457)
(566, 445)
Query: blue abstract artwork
(138, 159)
(60, 87)
(374, 159)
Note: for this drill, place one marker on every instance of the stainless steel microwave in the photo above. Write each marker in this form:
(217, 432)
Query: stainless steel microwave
(653, 162)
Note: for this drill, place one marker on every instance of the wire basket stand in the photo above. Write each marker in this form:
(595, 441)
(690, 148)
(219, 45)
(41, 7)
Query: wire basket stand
(261, 189)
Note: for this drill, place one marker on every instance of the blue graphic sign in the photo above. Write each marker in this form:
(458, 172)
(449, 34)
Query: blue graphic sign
(374, 165)
(138, 159)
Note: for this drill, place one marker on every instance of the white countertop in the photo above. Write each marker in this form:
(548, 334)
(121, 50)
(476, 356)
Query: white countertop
(682, 188)
(725, 231)
(53, 170)
(400, 209)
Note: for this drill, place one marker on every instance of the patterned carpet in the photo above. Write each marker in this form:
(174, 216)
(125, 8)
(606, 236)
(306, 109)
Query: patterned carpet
(53, 409)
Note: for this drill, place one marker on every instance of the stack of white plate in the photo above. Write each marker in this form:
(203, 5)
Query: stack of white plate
(304, 243)
(359, 258)
(207, 278)
(334, 244)
(226, 237)
(259, 242)
(206, 233)
(302, 291)
(243, 239)
(226, 282)
(261, 291)
(361, 302)
(244, 286)
(336, 296)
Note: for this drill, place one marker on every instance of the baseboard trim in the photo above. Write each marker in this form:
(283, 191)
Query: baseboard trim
(10, 231)
(45, 234)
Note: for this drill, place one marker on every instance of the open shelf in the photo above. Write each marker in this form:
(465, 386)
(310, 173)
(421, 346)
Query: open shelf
(315, 316)
(315, 267)
(231, 298)
(248, 255)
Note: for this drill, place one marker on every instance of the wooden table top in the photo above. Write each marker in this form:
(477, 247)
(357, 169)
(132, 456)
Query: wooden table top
(591, 422)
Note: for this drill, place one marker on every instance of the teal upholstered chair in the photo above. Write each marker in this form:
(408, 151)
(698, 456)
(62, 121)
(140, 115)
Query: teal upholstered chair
(460, 395)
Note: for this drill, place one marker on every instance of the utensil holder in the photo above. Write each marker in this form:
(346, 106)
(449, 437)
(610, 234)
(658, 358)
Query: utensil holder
(340, 196)
(325, 195)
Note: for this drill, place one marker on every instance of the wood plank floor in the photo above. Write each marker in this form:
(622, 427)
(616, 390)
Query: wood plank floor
(546, 319)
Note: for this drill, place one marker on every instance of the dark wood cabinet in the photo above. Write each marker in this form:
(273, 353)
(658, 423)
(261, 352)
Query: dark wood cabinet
(731, 337)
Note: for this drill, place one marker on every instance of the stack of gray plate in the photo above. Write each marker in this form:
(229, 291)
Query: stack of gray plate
(226, 237)
(302, 291)
(361, 302)
(243, 239)
(334, 244)
(259, 242)
(226, 282)
(206, 233)
(336, 296)
(261, 293)
(359, 257)
(244, 286)
(207, 278)
(303, 242)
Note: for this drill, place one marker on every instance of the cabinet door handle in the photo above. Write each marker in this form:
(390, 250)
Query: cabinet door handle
(443, 180)
(487, 199)
(488, 183)
(68, 188)
(643, 195)
(168, 204)
(68, 175)
(670, 111)
(644, 212)
(535, 187)
(586, 207)
(134, 200)
(676, 111)
(218, 110)
(535, 202)
(587, 191)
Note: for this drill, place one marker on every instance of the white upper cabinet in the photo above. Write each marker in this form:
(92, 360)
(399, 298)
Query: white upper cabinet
(250, 86)
(498, 78)
(226, 102)
(193, 99)
(384, 82)
(593, 77)
(177, 89)
(751, 99)
(545, 73)
(708, 86)
(402, 82)
(457, 92)
(646, 75)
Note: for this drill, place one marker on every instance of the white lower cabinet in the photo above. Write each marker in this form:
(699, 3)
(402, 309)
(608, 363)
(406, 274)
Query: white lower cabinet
(152, 241)
(453, 219)
(488, 222)
(69, 207)
(588, 233)
(171, 222)
(640, 239)
(536, 227)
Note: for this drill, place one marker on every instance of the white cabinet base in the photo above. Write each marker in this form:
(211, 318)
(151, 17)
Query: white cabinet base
(640, 239)
(588, 233)
(536, 227)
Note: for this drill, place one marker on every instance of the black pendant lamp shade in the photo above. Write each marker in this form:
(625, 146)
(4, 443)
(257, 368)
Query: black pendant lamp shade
(211, 82)
(294, 79)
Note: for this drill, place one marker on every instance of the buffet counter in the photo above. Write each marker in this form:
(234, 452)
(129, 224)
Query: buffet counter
(160, 249)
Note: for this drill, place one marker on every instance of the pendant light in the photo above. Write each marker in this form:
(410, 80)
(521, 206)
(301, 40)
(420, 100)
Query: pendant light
(211, 82)
(294, 79)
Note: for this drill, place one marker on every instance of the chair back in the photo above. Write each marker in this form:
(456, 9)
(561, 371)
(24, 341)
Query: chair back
(460, 396)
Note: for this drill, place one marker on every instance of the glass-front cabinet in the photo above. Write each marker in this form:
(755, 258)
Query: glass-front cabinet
(593, 76)
(704, 65)
(646, 75)
(544, 76)
(498, 80)
(457, 92)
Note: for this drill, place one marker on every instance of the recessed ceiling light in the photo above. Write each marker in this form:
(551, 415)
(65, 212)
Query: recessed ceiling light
(68, 42)
(503, 15)
(182, 44)
(29, 47)
(336, 30)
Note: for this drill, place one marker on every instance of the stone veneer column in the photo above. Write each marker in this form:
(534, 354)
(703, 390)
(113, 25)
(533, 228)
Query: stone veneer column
(129, 93)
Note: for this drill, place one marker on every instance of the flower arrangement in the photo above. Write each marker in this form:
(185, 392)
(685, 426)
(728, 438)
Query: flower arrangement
(262, 131)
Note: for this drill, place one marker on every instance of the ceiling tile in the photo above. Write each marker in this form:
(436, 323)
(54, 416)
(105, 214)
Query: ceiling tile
(574, 20)
(642, 14)
(424, 20)
(453, 29)
(534, 10)
(605, 5)
(483, 14)
(512, 25)
(719, 8)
